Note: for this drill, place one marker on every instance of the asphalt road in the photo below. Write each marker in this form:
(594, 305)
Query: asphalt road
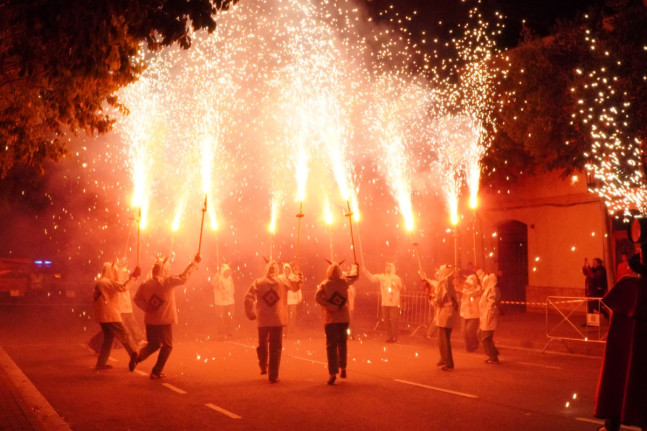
(216, 385)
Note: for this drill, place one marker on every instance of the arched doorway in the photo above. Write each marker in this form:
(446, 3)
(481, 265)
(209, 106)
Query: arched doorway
(513, 263)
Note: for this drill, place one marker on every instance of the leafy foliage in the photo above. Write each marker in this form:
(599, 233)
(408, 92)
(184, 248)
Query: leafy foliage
(540, 128)
(62, 61)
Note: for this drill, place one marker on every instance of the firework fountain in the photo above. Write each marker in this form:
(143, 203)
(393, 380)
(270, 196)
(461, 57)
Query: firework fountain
(308, 101)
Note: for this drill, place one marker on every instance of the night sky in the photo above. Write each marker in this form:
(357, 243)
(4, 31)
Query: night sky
(539, 15)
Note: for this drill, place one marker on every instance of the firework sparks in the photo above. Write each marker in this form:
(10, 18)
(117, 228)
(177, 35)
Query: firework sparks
(294, 98)
(615, 158)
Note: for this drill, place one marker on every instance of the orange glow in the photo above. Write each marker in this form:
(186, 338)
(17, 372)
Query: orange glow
(327, 216)
(453, 208)
(274, 212)
(302, 175)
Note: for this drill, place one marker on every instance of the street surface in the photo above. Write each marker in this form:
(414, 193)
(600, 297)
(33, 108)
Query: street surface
(216, 384)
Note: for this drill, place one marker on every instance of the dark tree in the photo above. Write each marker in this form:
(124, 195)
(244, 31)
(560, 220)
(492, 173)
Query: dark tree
(553, 86)
(62, 62)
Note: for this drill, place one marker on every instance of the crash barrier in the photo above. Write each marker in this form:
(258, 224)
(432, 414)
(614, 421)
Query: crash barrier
(574, 318)
(416, 311)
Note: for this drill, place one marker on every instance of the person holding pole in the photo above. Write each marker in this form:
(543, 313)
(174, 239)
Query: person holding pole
(223, 300)
(156, 296)
(124, 305)
(391, 286)
(108, 315)
(266, 301)
(332, 294)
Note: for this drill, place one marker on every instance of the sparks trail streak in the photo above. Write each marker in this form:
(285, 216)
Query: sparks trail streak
(399, 107)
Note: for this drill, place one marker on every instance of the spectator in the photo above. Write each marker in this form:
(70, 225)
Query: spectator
(623, 268)
(391, 287)
(621, 395)
(223, 300)
(595, 285)
(294, 299)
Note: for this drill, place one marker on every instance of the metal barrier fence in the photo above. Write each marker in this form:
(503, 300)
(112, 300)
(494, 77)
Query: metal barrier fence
(574, 318)
(415, 311)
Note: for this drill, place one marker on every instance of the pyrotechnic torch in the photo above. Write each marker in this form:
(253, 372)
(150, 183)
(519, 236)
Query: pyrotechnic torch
(299, 217)
(349, 214)
(204, 210)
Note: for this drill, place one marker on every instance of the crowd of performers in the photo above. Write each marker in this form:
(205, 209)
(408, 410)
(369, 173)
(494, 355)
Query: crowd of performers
(271, 300)
(470, 297)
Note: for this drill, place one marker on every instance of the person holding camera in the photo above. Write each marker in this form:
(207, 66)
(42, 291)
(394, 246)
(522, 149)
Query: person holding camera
(595, 285)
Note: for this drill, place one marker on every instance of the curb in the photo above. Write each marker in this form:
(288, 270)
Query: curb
(33, 403)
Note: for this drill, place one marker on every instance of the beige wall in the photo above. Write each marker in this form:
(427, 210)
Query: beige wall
(565, 225)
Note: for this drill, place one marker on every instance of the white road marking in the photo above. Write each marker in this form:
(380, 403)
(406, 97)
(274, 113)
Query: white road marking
(141, 373)
(433, 388)
(552, 367)
(600, 422)
(309, 360)
(174, 388)
(247, 346)
(223, 411)
(548, 352)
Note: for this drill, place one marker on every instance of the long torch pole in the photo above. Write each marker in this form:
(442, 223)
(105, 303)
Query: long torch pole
(217, 254)
(361, 250)
(415, 247)
(299, 217)
(204, 210)
(127, 236)
(349, 214)
(474, 235)
(139, 224)
(455, 234)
